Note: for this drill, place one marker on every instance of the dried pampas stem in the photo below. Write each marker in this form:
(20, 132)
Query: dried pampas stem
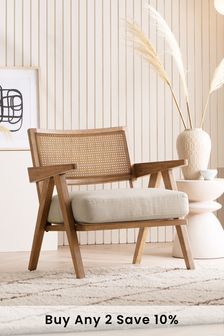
(144, 47)
(216, 83)
(169, 37)
(178, 108)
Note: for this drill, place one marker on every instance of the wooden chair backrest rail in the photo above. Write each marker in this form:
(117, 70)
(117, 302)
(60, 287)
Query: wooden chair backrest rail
(101, 155)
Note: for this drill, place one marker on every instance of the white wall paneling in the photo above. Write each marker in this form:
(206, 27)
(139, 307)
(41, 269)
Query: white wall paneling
(91, 78)
(19, 202)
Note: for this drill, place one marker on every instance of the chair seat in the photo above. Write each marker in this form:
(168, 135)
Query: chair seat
(122, 205)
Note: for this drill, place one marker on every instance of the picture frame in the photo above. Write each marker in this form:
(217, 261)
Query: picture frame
(19, 105)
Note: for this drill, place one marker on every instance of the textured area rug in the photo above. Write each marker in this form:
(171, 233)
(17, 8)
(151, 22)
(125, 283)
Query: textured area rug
(126, 285)
(31, 320)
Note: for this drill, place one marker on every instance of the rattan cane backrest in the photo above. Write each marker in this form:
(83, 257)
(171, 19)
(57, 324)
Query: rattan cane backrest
(101, 155)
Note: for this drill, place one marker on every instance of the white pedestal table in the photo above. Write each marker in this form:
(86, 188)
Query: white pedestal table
(205, 232)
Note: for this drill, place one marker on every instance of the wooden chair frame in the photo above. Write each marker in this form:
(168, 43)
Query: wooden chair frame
(46, 177)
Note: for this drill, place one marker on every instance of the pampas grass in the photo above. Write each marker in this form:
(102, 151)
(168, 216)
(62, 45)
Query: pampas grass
(216, 83)
(145, 48)
(174, 48)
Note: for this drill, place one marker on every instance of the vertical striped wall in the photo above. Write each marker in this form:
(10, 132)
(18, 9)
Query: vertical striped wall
(91, 78)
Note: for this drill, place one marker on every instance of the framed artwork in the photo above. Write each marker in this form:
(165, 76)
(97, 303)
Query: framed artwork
(19, 104)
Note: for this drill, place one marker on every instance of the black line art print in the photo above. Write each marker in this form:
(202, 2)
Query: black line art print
(11, 108)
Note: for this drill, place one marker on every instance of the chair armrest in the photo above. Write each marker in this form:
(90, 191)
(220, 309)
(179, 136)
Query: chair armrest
(146, 168)
(41, 173)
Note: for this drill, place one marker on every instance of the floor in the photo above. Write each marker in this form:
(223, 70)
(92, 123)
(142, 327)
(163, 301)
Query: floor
(93, 255)
(154, 254)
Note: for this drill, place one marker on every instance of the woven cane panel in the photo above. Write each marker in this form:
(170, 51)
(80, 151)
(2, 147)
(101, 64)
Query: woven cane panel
(95, 155)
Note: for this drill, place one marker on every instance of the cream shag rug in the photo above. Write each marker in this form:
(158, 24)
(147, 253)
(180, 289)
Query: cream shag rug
(126, 285)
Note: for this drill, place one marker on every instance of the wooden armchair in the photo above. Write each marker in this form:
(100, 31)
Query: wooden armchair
(99, 156)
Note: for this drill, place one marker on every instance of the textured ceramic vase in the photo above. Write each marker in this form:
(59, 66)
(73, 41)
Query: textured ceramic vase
(195, 146)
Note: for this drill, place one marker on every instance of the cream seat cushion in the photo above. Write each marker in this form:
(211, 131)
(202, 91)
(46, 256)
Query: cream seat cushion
(121, 205)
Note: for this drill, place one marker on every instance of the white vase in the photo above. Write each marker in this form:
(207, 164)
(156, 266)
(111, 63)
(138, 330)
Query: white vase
(195, 146)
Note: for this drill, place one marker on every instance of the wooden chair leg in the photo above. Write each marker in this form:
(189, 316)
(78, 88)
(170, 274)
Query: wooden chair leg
(45, 201)
(75, 253)
(154, 182)
(185, 246)
(169, 180)
(69, 224)
(142, 234)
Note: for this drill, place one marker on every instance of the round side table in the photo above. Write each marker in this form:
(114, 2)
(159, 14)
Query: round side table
(206, 234)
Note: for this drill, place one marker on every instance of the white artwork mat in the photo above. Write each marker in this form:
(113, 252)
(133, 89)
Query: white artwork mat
(18, 105)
